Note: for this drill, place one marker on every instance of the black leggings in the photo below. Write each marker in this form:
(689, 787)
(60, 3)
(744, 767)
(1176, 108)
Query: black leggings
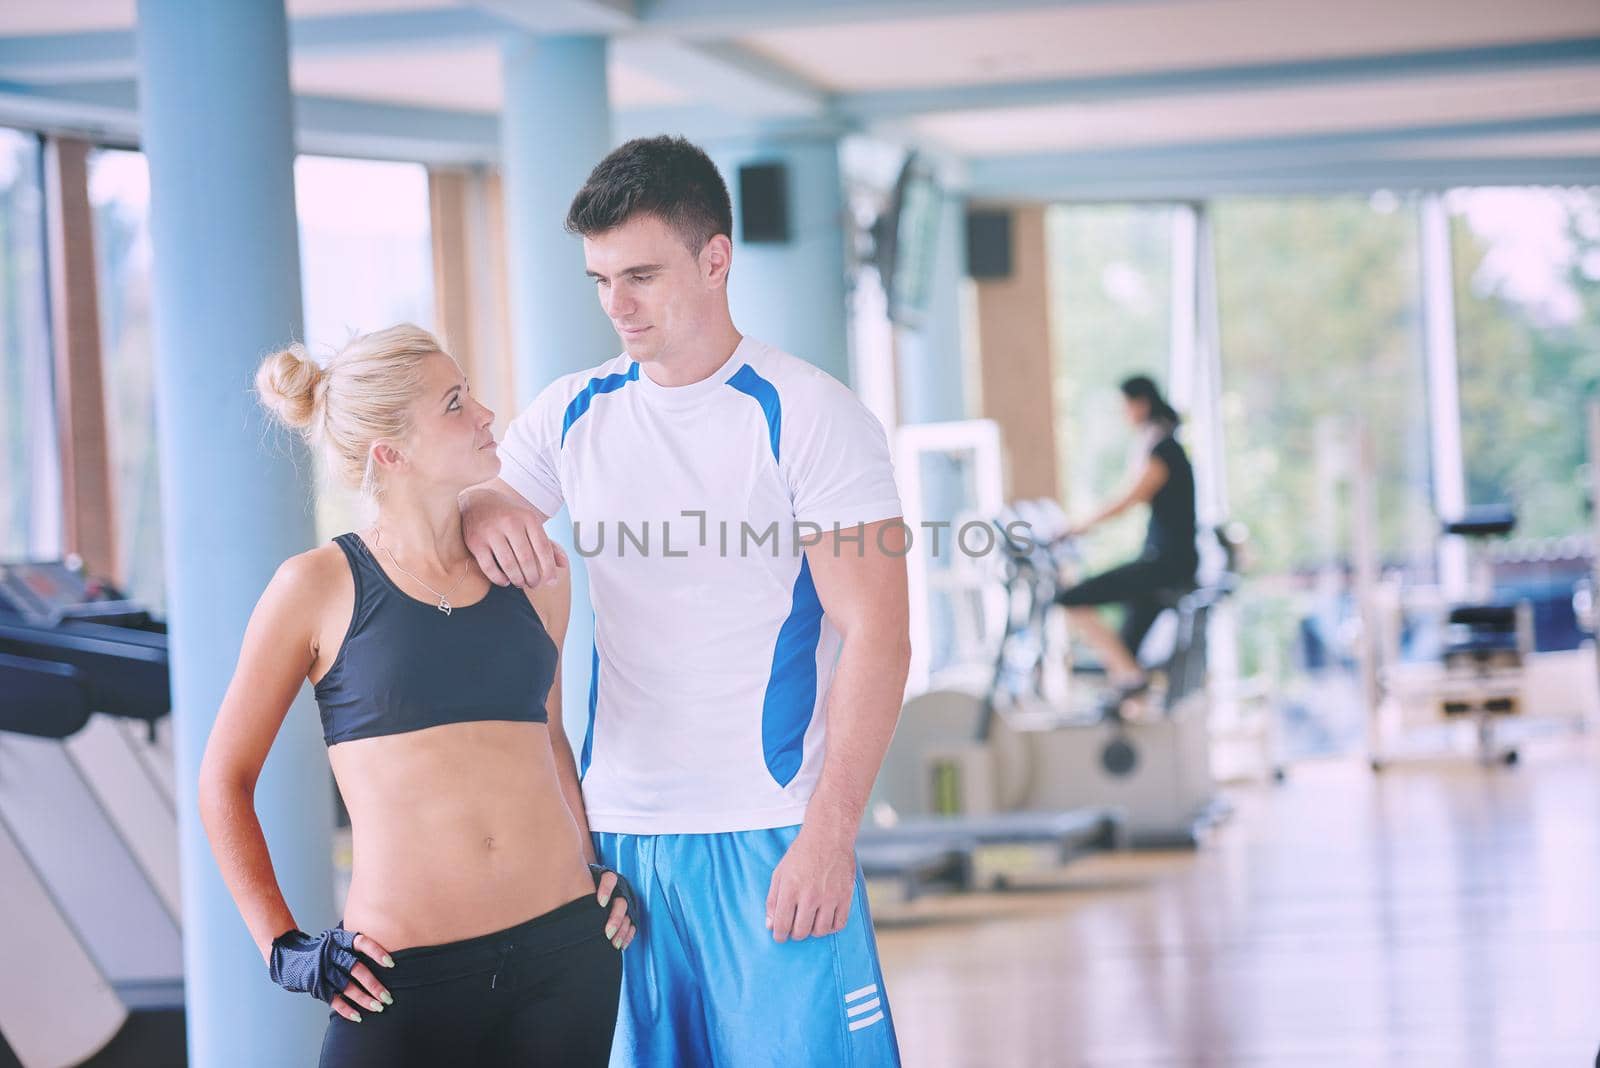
(544, 992)
(1138, 586)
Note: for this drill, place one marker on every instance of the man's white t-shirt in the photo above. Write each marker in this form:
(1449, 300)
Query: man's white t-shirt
(712, 655)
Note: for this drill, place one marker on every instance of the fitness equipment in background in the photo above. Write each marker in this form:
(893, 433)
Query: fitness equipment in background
(1018, 744)
(90, 953)
(1487, 645)
(1589, 614)
(1488, 669)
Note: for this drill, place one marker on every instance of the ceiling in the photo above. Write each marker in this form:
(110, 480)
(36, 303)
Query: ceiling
(78, 16)
(1031, 95)
(1076, 40)
(1241, 114)
(463, 77)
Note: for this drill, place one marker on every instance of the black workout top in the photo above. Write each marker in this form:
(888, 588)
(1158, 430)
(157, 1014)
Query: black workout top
(405, 665)
(1170, 538)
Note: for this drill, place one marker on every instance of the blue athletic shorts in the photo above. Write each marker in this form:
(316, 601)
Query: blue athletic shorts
(705, 984)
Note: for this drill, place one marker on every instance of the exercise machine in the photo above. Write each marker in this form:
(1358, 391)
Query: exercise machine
(1021, 746)
(1485, 651)
(88, 826)
(1477, 664)
(950, 480)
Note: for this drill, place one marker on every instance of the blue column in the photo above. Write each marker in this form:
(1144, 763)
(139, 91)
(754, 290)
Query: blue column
(215, 111)
(931, 368)
(792, 295)
(554, 127)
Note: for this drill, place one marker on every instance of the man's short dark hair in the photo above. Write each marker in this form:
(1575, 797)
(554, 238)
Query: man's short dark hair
(662, 176)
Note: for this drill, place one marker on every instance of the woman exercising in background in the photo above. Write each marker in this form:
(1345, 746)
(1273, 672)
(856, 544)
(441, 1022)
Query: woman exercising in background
(473, 932)
(1165, 482)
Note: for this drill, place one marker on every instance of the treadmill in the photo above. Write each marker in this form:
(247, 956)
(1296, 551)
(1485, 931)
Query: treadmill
(71, 646)
(88, 824)
(922, 850)
(997, 851)
(913, 868)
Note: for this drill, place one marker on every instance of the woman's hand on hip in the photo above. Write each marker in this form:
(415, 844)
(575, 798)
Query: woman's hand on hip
(610, 887)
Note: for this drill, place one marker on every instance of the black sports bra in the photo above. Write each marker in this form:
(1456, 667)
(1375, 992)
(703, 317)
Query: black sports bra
(405, 665)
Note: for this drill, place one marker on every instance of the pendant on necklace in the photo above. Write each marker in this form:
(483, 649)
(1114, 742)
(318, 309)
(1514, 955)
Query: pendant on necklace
(444, 606)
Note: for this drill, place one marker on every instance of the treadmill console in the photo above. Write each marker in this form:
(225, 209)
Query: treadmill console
(66, 640)
(45, 593)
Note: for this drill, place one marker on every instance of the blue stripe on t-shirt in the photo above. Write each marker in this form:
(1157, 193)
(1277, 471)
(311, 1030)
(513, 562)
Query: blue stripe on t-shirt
(791, 694)
(596, 386)
(594, 695)
(746, 381)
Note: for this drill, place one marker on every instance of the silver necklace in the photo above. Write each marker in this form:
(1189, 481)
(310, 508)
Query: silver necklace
(444, 598)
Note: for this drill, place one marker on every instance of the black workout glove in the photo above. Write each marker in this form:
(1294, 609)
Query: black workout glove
(622, 889)
(316, 965)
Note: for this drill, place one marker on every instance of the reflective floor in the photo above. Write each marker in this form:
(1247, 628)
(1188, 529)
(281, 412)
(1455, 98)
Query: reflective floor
(1438, 915)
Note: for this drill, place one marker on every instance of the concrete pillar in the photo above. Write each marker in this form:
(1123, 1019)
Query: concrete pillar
(1444, 391)
(554, 127)
(215, 111)
(792, 294)
(1195, 369)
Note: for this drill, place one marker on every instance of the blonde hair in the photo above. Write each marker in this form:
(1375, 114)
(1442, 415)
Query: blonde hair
(362, 394)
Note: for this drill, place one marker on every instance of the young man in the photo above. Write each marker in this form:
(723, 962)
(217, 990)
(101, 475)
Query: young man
(747, 670)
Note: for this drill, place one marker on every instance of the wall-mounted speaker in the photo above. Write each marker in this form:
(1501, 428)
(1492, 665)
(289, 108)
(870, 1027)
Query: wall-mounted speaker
(989, 243)
(764, 204)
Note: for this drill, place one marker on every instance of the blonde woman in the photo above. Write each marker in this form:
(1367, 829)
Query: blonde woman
(474, 933)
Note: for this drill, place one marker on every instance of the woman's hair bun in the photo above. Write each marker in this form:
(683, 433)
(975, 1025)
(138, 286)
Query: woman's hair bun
(288, 382)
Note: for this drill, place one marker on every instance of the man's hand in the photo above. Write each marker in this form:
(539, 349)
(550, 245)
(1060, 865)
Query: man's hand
(507, 539)
(812, 886)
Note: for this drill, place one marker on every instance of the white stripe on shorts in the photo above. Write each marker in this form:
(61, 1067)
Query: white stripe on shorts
(865, 1006)
(868, 1022)
(863, 992)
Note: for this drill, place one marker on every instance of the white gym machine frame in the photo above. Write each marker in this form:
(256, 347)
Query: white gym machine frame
(975, 438)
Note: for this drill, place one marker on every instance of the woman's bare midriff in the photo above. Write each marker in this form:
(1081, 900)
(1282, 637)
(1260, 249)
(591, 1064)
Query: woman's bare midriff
(457, 831)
